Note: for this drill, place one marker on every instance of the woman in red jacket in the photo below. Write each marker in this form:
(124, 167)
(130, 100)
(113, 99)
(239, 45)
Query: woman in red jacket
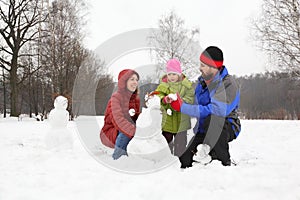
(121, 113)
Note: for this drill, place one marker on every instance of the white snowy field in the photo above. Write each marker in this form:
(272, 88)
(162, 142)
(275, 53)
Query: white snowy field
(267, 153)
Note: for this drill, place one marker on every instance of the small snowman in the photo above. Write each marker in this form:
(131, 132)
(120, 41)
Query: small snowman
(59, 137)
(148, 141)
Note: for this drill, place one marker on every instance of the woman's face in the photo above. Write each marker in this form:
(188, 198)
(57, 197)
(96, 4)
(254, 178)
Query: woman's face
(132, 83)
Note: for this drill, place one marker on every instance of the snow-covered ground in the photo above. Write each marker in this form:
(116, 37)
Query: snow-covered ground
(267, 153)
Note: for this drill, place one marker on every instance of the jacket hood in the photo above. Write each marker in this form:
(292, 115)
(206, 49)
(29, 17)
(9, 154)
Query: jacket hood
(124, 75)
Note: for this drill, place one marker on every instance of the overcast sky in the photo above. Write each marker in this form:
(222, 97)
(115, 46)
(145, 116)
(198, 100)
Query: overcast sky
(221, 23)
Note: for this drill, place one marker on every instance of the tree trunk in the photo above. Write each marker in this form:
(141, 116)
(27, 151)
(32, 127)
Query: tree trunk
(4, 94)
(13, 88)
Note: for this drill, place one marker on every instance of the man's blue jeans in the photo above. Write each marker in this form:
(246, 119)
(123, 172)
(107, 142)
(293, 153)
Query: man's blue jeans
(121, 145)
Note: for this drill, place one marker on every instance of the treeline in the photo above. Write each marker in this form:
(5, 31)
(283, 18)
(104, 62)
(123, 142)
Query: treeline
(270, 95)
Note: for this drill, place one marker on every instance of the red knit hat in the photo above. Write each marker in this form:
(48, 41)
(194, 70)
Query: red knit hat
(124, 75)
(212, 56)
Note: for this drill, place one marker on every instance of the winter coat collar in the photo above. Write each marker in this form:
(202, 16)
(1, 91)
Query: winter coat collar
(127, 94)
(185, 82)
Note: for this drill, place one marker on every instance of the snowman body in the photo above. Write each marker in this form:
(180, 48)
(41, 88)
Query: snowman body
(58, 136)
(148, 141)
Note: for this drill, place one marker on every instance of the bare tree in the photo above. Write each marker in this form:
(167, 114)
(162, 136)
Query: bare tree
(277, 32)
(173, 40)
(30, 88)
(62, 51)
(91, 87)
(18, 20)
(3, 92)
(105, 88)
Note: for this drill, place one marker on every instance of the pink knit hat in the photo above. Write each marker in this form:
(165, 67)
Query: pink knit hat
(173, 66)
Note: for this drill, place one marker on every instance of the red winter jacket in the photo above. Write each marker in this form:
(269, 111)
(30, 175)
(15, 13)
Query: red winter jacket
(117, 117)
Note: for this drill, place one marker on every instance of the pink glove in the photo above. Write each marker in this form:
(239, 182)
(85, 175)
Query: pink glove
(176, 105)
(167, 99)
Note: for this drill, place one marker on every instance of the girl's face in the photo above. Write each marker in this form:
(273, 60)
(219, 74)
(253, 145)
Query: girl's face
(172, 77)
(132, 83)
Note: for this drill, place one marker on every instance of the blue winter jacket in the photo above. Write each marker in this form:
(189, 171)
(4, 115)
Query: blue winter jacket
(221, 98)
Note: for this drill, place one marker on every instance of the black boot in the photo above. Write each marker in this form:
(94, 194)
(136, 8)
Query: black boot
(213, 155)
(186, 159)
(226, 163)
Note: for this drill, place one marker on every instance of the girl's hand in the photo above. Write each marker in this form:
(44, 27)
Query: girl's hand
(167, 99)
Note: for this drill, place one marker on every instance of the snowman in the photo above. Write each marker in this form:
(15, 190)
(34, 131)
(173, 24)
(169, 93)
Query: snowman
(59, 137)
(148, 142)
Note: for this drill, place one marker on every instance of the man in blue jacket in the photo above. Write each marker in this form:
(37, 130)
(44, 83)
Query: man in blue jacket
(217, 99)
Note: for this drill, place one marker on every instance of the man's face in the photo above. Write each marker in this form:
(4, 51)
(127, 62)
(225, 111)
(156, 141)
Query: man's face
(207, 71)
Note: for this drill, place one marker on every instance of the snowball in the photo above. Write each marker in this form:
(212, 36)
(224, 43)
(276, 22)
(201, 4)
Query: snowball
(173, 97)
(131, 112)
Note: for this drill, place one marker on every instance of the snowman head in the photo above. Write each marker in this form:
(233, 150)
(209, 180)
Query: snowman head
(152, 100)
(61, 102)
